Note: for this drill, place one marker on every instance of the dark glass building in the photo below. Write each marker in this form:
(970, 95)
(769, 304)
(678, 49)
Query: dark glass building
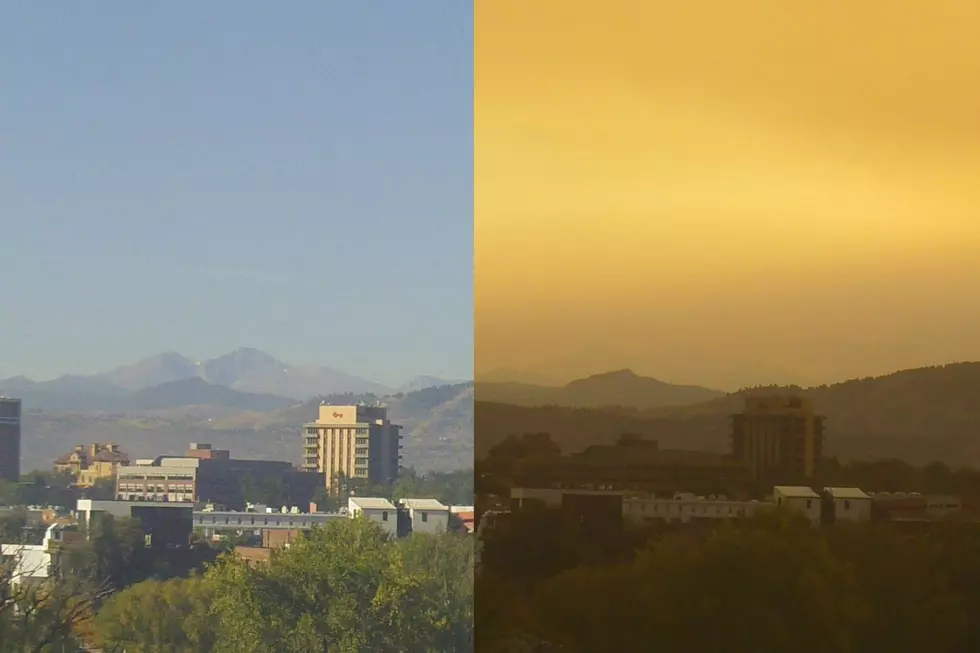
(10, 411)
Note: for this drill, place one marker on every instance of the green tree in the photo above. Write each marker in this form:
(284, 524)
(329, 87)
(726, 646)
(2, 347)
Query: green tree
(158, 617)
(112, 553)
(347, 587)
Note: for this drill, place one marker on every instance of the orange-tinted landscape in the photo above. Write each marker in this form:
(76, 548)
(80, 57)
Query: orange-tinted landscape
(725, 194)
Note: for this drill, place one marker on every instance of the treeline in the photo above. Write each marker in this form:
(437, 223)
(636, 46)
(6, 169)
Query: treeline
(53, 610)
(345, 587)
(41, 488)
(767, 583)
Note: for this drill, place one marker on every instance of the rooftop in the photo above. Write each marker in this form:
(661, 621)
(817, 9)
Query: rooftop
(371, 503)
(796, 491)
(424, 504)
(846, 493)
(96, 505)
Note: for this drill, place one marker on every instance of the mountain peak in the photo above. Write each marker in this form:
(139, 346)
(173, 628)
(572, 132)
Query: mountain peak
(162, 368)
(249, 353)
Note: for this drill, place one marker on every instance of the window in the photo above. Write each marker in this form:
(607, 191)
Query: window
(847, 505)
(425, 516)
(809, 503)
(384, 516)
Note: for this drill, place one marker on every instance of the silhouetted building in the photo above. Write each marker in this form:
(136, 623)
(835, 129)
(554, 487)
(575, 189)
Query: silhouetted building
(778, 438)
(10, 410)
(598, 512)
(353, 442)
(635, 464)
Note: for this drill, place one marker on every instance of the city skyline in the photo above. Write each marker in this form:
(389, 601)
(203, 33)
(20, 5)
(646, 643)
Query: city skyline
(726, 194)
(295, 179)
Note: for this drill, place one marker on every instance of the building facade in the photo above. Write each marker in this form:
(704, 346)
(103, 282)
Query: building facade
(220, 480)
(88, 465)
(425, 516)
(163, 524)
(846, 504)
(352, 442)
(10, 416)
(801, 498)
(379, 510)
(635, 464)
(778, 437)
(687, 507)
(173, 480)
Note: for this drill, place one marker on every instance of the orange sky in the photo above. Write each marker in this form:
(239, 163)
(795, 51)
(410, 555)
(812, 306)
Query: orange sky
(727, 192)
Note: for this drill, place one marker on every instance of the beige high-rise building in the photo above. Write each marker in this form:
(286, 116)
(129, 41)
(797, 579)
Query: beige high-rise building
(355, 442)
(778, 435)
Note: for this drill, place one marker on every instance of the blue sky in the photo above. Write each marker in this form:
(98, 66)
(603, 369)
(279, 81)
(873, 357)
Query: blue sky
(198, 177)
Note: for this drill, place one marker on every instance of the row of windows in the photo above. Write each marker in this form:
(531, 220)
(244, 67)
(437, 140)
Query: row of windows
(313, 430)
(677, 508)
(253, 520)
(175, 497)
(155, 477)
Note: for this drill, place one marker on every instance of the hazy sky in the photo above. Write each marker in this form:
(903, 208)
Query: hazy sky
(200, 176)
(727, 192)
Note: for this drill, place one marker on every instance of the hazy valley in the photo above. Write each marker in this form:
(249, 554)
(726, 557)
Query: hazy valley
(246, 401)
(919, 415)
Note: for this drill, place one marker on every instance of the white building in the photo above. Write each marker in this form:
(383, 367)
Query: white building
(848, 504)
(380, 511)
(801, 498)
(31, 562)
(688, 507)
(427, 515)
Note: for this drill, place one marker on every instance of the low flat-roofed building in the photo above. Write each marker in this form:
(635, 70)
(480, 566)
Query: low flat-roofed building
(220, 480)
(915, 506)
(595, 510)
(164, 523)
(426, 515)
(36, 563)
(847, 504)
(801, 498)
(253, 556)
(213, 521)
(635, 464)
(463, 522)
(686, 508)
(379, 510)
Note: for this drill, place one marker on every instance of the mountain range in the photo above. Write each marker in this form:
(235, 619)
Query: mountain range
(919, 415)
(254, 405)
(619, 388)
(244, 370)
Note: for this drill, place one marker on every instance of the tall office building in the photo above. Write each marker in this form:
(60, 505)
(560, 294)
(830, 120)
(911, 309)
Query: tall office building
(354, 442)
(778, 437)
(9, 439)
